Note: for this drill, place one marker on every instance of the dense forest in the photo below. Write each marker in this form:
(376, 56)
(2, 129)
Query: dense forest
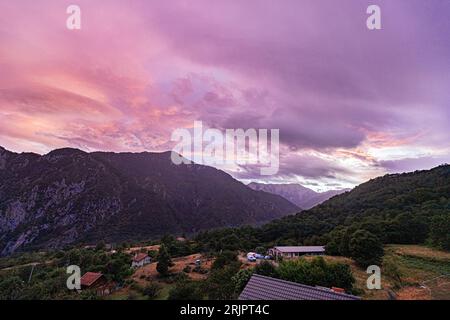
(409, 208)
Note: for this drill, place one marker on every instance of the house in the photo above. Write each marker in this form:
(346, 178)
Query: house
(140, 260)
(97, 282)
(292, 252)
(267, 288)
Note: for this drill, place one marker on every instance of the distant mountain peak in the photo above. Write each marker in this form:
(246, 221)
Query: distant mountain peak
(299, 195)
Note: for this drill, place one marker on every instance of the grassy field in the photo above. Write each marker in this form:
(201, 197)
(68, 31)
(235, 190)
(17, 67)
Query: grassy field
(424, 269)
(424, 274)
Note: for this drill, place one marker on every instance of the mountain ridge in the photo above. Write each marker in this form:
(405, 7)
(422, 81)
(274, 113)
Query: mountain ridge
(301, 196)
(68, 196)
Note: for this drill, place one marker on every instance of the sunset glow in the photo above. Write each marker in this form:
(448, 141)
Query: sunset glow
(351, 104)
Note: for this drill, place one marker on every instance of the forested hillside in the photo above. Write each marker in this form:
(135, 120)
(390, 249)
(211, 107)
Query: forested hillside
(404, 208)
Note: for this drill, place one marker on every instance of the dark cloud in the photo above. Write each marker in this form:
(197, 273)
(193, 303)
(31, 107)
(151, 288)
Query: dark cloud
(412, 164)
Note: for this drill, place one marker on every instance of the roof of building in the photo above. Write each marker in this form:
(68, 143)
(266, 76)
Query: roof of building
(139, 257)
(266, 288)
(89, 278)
(301, 249)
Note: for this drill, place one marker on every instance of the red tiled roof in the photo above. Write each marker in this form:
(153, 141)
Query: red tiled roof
(89, 278)
(139, 257)
(338, 290)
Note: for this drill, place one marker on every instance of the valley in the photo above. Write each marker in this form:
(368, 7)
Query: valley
(147, 229)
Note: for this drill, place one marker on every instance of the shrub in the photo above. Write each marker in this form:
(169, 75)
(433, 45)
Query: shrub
(135, 286)
(151, 290)
(317, 273)
(220, 285)
(132, 296)
(186, 290)
(391, 270)
(187, 269)
(266, 268)
(225, 258)
(240, 279)
(440, 231)
(365, 248)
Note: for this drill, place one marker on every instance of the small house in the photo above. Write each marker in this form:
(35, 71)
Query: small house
(140, 260)
(97, 282)
(296, 251)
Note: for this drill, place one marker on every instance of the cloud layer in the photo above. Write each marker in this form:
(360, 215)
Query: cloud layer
(350, 103)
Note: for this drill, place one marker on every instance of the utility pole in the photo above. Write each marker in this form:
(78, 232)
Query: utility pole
(31, 273)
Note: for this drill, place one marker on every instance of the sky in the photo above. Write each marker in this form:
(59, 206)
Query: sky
(350, 103)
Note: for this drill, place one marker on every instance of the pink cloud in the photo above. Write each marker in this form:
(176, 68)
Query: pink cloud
(140, 69)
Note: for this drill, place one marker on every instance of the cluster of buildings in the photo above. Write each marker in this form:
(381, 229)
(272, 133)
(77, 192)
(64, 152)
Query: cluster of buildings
(258, 288)
(286, 252)
(97, 282)
(266, 288)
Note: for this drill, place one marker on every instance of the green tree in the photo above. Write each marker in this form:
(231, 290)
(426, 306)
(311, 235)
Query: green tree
(186, 290)
(365, 248)
(317, 273)
(440, 231)
(338, 243)
(151, 290)
(266, 268)
(220, 285)
(241, 278)
(164, 261)
(391, 270)
(116, 267)
(260, 250)
(11, 288)
(100, 245)
(225, 258)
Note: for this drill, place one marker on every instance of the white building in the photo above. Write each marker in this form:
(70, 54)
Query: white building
(140, 260)
(292, 252)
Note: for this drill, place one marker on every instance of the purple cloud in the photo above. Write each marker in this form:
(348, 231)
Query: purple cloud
(342, 96)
